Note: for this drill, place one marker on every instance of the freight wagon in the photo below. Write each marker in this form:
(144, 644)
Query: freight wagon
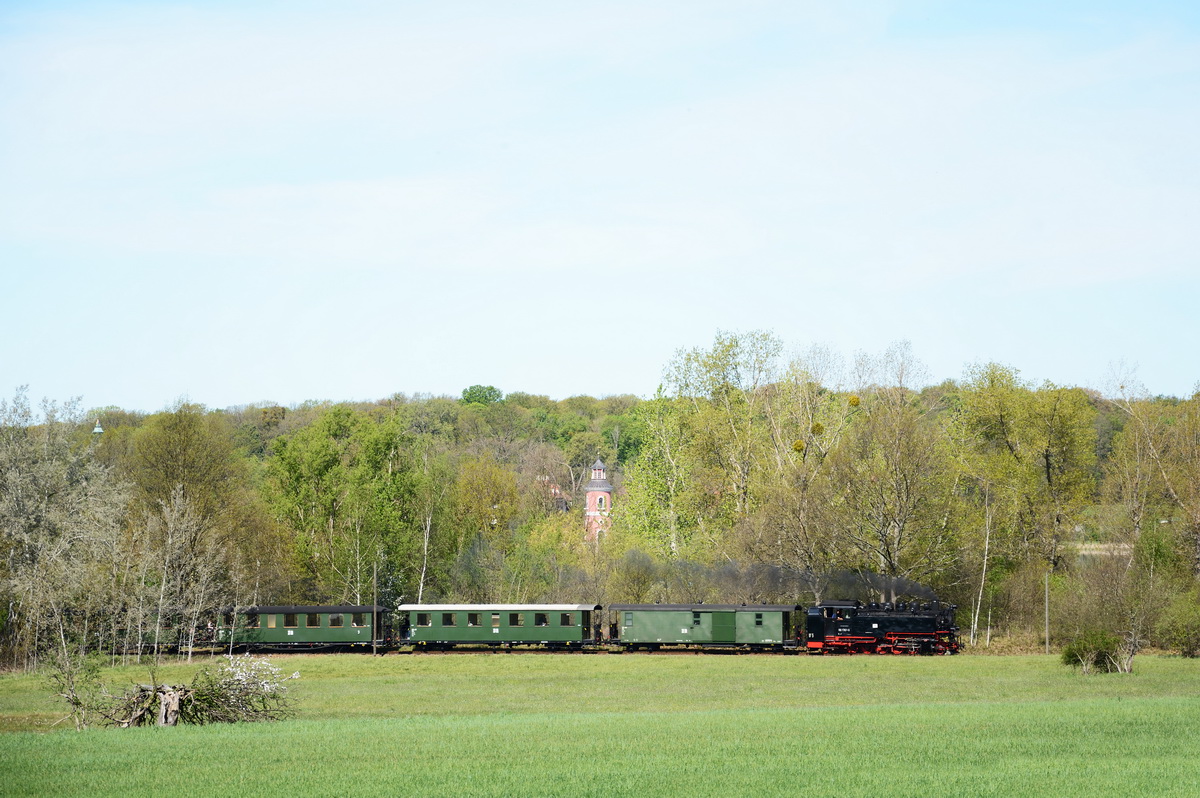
(753, 627)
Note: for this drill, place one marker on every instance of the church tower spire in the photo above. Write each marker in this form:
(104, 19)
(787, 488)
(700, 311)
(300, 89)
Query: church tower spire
(599, 503)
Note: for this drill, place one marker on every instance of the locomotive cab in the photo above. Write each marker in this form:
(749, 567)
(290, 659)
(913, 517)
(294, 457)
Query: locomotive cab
(829, 623)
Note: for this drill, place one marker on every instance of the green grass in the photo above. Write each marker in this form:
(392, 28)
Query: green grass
(649, 725)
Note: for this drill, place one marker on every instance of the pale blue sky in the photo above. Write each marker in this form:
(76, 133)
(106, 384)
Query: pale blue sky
(280, 201)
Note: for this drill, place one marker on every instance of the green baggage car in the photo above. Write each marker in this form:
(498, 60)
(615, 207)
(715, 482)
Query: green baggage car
(546, 625)
(751, 626)
(305, 627)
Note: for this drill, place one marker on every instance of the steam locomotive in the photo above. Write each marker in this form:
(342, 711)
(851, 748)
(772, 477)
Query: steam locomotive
(831, 627)
(850, 627)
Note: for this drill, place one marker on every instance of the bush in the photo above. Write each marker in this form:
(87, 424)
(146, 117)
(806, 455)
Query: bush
(240, 689)
(1179, 627)
(1094, 650)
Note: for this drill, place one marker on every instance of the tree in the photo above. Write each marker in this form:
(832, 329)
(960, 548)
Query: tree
(486, 500)
(724, 389)
(189, 451)
(790, 525)
(430, 508)
(192, 572)
(61, 511)
(481, 395)
(189, 448)
(1167, 440)
(894, 483)
(654, 509)
(1179, 627)
(310, 489)
(1028, 456)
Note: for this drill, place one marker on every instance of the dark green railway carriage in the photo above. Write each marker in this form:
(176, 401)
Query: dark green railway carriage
(753, 626)
(551, 625)
(300, 627)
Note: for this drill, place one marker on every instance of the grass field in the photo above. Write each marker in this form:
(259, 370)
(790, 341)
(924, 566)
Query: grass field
(648, 725)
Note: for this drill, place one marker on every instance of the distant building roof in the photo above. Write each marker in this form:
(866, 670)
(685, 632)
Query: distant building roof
(599, 484)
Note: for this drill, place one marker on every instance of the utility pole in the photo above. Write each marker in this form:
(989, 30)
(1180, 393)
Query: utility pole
(375, 614)
(1047, 611)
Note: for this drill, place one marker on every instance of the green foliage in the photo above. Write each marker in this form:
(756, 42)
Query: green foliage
(187, 447)
(1034, 451)
(481, 395)
(1179, 627)
(657, 508)
(358, 495)
(1093, 651)
(741, 460)
(1165, 439)
(894, 478)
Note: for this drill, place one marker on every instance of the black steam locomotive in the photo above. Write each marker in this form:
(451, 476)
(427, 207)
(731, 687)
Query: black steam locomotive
(851, 627)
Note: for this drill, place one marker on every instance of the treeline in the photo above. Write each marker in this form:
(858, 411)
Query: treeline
(131, 531)
(746, 477)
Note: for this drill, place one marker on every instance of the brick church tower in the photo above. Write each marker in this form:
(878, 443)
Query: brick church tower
(599, 504)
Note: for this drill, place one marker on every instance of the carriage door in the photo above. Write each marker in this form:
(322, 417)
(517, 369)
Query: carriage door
(587, 625)
(724, 627)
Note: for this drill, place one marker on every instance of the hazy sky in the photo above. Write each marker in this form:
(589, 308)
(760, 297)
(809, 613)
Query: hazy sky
(279, 201)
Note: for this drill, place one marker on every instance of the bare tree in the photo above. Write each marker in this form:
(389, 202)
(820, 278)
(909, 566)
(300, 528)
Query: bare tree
(60, 510)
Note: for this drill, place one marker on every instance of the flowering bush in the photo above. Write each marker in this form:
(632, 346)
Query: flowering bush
(241, 688)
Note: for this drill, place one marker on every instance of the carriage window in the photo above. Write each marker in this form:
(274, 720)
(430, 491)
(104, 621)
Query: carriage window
(541, 619)
(516, 619)
(695, 619)
(449, 619)
(473, 619)
(335, 619)
(495, 620)
(289, 620)
(423, 619)
(360, 619)
(252, 622)
(271, 621)
(758, 619)
(313, 620)
(629, 619)
(566, 619)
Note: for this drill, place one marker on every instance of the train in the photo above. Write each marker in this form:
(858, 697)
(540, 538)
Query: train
(829, 627)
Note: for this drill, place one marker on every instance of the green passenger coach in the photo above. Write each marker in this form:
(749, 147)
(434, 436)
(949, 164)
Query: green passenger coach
(549, 625)
(734, 625)
(305, 627)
